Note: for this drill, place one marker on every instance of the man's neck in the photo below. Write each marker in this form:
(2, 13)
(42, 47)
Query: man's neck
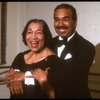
(61, 38)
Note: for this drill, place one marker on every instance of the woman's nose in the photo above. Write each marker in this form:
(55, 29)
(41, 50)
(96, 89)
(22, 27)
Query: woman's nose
(34, 36)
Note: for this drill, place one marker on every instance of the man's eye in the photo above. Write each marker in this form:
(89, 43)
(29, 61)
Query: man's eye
(65, 19)
(56, 19)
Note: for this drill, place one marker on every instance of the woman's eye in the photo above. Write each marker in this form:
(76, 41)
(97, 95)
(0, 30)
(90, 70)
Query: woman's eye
(29, 32)
(39, 32)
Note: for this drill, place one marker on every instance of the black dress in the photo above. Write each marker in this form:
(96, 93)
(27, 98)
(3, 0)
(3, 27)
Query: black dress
(55, 75)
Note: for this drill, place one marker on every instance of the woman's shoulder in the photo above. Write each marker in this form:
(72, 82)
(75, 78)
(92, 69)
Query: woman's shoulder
(21, 54)
(24, 52)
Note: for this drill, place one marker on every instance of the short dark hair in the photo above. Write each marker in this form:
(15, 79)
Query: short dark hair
(46, 30)
(68, 6)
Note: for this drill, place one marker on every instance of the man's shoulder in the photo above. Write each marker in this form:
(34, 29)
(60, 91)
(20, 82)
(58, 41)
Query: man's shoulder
(83, 40)
(86, 40)
(56, 37)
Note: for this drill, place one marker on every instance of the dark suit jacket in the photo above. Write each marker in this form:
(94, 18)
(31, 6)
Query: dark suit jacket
(83, 52)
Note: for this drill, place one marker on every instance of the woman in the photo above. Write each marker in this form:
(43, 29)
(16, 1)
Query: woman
(35, 73)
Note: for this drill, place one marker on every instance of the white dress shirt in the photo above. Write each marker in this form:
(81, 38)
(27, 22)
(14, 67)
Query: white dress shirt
(61, 48)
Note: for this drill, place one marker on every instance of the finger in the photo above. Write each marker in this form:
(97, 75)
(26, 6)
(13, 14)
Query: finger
(11, 69)
(21, 88)
(15, 87)
(46, 70)
(7, 78)
(11, 89)
(10, 73)
(17, 90)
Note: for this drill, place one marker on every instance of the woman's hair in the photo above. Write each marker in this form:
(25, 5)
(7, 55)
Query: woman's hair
(46, 30)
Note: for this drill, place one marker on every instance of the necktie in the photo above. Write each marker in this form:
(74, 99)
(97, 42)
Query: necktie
(62, 42)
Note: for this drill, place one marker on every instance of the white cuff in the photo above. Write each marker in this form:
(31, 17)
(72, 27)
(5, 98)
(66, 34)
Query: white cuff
(29, 80)
(17, 70)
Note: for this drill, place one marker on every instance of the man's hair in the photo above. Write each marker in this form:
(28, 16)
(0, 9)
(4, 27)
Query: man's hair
(68, 6)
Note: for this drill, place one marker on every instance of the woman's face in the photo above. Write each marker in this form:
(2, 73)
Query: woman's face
(35, 37)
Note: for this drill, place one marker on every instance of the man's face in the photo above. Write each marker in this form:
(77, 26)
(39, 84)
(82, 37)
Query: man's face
(63, 22)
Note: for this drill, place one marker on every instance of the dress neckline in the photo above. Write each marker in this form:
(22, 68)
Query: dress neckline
(45, 59)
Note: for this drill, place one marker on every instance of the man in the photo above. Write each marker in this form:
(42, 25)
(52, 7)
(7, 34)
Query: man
(77, 52)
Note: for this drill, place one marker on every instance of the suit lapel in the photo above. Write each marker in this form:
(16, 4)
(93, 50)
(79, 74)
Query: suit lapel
(67, 52)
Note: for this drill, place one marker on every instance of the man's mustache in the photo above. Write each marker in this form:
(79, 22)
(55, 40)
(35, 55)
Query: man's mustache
(61, 27)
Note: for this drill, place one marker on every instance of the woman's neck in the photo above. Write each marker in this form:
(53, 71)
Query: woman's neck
(33, 57)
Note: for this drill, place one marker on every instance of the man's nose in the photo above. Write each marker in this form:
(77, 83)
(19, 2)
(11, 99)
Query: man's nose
(61, 23)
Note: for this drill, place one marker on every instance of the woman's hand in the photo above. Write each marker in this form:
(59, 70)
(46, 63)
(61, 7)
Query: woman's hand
(41, 75)
(14, 81)
(16, 87)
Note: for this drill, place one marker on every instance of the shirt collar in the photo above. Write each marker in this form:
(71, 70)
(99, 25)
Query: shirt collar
(60, 38)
